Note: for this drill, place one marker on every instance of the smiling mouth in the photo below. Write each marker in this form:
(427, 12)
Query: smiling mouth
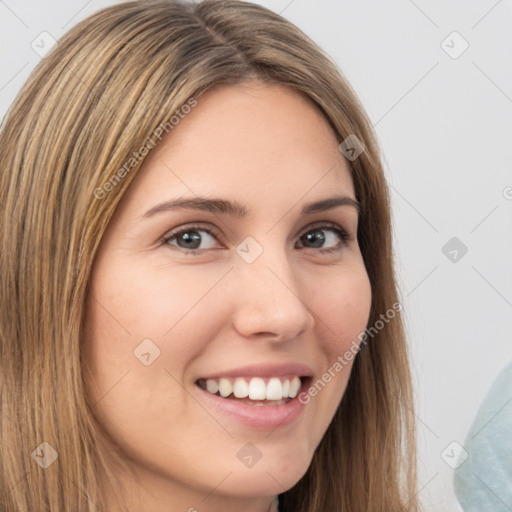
(257, 391)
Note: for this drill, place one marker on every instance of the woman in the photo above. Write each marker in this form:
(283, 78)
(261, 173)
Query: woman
(199, 310)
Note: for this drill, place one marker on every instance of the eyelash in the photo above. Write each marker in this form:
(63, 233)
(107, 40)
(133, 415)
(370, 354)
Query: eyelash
(197, 227)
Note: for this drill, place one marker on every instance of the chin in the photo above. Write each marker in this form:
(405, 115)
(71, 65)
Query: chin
(272, 474)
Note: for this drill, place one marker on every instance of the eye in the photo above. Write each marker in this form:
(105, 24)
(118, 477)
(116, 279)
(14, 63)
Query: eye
(190, 238)
(317, 237)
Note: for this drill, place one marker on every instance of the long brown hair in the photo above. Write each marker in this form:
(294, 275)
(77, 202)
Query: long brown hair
(87, 107)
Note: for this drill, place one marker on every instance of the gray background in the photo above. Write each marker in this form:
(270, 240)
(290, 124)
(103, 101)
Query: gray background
(444, 122)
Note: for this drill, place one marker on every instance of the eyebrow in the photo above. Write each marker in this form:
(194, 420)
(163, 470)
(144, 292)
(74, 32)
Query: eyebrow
(236, 209)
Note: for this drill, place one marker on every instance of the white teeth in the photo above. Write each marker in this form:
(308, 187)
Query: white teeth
(241, 388)
(257, 389)
(286, 388)
(276, 389)
(225, 388)
(212, 386)
(294, 387)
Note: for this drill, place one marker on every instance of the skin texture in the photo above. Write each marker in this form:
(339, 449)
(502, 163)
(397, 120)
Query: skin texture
(270, 149)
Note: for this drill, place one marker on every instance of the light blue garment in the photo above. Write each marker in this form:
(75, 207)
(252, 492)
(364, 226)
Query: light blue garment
(483, 483)
(275, 504)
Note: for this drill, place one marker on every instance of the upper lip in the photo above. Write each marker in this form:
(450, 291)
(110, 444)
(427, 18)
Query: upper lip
(264, 370)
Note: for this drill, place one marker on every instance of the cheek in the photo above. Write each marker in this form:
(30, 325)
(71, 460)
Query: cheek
(342, 311)
(135, 302)
(343, 308)
(131, 303)
(153, 317)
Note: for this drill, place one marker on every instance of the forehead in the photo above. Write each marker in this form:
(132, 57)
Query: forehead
(252, 141)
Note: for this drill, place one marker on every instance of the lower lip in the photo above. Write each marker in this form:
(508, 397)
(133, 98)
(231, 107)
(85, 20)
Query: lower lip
(266, 417)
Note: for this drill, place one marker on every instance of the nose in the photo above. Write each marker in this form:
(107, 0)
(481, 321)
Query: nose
(269, 302)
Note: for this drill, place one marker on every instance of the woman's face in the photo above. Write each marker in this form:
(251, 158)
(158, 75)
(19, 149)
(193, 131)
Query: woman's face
(246, 298)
